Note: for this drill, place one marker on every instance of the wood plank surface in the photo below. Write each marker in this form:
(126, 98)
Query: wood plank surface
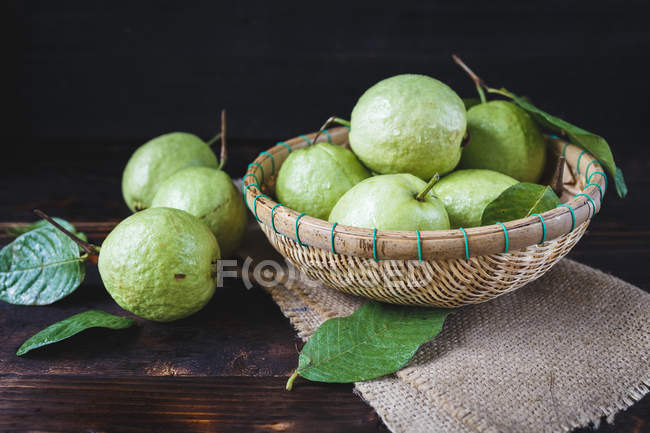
(224, 368)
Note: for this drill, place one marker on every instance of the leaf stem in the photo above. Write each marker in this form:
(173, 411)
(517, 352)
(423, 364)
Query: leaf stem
(293, 377)
(425, 191)
(500, 91)
(86, 246)
(342, 121)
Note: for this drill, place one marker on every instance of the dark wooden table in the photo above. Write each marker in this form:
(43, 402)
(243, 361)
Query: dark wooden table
(224, 368)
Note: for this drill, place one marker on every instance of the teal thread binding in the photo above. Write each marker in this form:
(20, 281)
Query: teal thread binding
(246, 190)
(466, 243)
(573, 216)
(591, 200)
(272, 160)
(566, 144)
(304, 137)
(260, 166)
(543, 227)
(505, 234)
(602, 174)
(332, 237)
(329, 136)
(272, 220)
(297, 235)
(282, 143)
(579, 158)
(589, 165)
(255, 205)
(374, 244)
(417, 232)
(599, 189)
(243, 179)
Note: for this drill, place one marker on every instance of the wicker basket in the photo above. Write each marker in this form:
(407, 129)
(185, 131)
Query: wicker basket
(446, 268)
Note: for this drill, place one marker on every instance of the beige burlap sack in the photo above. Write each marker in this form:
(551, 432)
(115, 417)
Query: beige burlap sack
(559, 353)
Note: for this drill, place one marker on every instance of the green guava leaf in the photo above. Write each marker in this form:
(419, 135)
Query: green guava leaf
(40, 267)
(593, 143)
(376, 340)
(521, 200)
(19, 230)
(72, 326)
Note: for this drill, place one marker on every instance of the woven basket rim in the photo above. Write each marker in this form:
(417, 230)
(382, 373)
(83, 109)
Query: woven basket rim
(432, 244)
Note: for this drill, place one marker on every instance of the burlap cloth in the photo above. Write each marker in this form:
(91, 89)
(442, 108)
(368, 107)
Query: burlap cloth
(559, 353)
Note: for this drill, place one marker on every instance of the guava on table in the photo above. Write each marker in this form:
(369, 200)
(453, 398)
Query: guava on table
(158, 159)
(210, 195)
(391, 202)
(160, 264)
(504, 138)
(312, 179)
(408, 124)
(466, 193)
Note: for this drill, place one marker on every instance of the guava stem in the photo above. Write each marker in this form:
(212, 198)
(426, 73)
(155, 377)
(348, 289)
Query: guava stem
(293, 377)
(211, 141)
(481, 94)
(425, 191)
(327, 123)
(87, 247)
(477, 80)
(224, 150)
(342, 121)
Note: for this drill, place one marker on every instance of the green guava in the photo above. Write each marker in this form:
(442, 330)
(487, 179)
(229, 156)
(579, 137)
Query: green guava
(312, 179)
(388, 202)
(158, 159)
(160, 264)
(503, 138)
(466, 193)
(408, 124)
(210, 195)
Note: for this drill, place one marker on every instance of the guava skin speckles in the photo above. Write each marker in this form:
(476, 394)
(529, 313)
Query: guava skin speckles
(504, 138)
(466, 193)
(142, 259)
(210, 195)
(387, 202)
(408, 124)
(312, 179)
(158, 159)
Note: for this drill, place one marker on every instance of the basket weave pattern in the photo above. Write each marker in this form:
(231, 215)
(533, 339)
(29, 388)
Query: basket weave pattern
(454, 270)
(442, 283)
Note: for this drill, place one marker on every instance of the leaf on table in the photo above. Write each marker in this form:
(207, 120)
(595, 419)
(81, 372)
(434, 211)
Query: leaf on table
(40, 267)
(72, 326)
(521, 200)
(593, 143)
(376, 340)
(19, 230)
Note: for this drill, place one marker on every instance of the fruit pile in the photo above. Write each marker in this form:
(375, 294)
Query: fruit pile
(420, 158)
(161, 262)
(405, 132)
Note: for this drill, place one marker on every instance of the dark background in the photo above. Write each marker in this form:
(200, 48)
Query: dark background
(127, 71)
(85, 83)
